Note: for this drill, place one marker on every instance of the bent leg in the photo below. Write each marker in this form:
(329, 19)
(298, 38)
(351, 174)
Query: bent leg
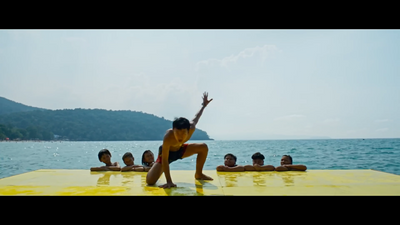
(154, 173)
(202, 151)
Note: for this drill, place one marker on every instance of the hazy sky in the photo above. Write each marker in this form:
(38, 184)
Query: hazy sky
(264, 83)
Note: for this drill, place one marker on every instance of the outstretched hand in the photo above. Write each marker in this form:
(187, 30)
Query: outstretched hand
(167, 185)
(205, 101)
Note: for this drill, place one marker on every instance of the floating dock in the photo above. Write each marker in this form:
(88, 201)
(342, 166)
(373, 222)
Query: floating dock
(310, 182)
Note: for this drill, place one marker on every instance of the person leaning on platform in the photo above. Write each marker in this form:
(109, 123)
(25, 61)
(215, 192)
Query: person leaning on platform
(286, 165)
(258, 164)
(147, 159)
(230, 164)
(130, 165)
(105, 157)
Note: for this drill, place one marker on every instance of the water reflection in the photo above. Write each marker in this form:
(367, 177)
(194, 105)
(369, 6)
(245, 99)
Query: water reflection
(260, 178)
(229, 178)
(289, 177)
(105, 179)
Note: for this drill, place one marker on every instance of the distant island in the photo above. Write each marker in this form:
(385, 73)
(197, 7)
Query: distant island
(22, 122)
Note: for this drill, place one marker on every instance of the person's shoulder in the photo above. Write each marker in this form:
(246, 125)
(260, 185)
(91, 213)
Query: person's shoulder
(169, 135)
(168, 131)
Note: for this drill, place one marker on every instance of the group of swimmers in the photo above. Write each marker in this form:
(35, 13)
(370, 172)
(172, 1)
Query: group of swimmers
(258, 164)
(174, 147)
(230, 165)
(128, 159)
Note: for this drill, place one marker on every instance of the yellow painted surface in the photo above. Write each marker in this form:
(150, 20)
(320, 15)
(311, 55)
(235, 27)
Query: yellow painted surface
(311, 182)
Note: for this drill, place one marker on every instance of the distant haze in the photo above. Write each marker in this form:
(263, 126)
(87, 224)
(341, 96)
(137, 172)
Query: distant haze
(265, 84)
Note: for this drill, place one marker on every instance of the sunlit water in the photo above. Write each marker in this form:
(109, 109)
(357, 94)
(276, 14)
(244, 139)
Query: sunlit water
(377, 154)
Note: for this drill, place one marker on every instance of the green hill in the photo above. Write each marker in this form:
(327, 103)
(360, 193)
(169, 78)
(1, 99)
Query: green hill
(87, 125)
(8, 106)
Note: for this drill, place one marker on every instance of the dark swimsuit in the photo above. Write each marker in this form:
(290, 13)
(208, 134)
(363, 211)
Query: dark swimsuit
(173, 156)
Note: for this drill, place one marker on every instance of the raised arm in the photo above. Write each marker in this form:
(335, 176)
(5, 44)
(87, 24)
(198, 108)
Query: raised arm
(198, 115)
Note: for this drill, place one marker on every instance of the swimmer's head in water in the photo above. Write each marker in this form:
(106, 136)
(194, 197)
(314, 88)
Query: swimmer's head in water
(105, 156)
(128, 159)
(286, 159)
(258, 158)
(181, 127)
(229, 160)
(147, 157)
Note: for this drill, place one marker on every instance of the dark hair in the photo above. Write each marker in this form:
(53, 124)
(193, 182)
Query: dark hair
(258, 155)
(232, 155)
(128, 154)
(143, 162)
(290, 157)
(181, 123)
(102, 152)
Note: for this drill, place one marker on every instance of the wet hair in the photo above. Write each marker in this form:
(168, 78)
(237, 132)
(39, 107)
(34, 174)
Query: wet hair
(232, 155)
(258, 155)
(290, 157)
(102, 152)
(128, 154)
(143, 162)
(181, 123)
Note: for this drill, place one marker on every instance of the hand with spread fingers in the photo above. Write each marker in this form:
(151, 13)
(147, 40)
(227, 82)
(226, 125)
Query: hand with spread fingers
(205, 101)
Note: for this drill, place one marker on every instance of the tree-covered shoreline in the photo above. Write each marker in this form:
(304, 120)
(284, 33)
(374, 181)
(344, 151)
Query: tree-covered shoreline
(87, 125)
(22, 122)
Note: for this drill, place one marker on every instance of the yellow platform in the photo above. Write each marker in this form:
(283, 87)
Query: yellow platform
(312, 182)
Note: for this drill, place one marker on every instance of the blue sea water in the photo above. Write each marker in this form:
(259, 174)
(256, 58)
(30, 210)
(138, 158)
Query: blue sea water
(377, 154)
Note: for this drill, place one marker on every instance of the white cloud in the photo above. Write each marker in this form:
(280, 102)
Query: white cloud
(262, 52)
(289, 117)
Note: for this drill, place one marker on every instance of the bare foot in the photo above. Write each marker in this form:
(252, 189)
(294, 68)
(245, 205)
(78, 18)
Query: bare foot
(202, 177)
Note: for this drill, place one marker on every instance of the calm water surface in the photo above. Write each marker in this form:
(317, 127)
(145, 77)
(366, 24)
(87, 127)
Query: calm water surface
(377, 154)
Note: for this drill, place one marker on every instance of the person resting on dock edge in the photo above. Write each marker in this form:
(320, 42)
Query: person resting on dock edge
(286, 165)
(230, 164)
(105, 157)
(258, 164)
(129, 161)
